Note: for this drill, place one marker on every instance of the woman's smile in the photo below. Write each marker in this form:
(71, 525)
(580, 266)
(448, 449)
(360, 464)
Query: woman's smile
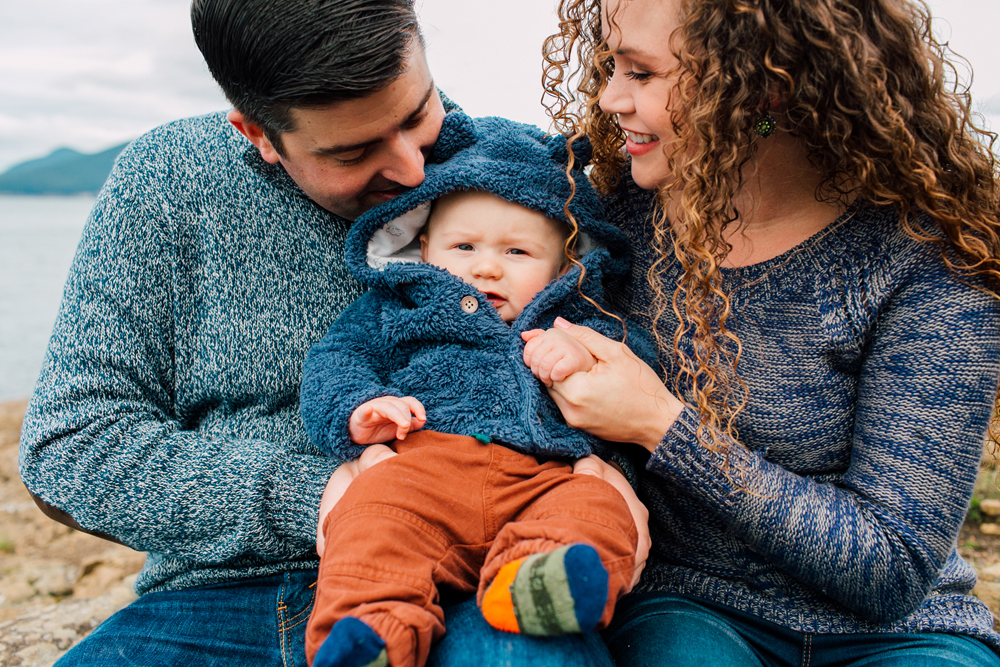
(637, 143)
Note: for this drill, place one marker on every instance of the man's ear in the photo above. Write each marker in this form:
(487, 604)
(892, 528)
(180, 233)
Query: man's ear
(255, 133)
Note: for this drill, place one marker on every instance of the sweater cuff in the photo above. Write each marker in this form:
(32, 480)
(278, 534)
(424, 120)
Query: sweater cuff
(293, 505)
(718, 477)
(614, 453)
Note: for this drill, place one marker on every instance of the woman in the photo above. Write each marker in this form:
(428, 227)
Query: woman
(822, 263)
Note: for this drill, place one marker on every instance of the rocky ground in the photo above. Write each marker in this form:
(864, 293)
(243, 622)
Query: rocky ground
(57, 584)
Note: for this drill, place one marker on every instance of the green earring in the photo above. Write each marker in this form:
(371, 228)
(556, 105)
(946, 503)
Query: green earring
(765, 125)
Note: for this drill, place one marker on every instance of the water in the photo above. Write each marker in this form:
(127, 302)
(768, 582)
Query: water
(38, 236)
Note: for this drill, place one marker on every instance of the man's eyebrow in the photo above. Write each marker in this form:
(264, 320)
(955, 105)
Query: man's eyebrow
(348, 148)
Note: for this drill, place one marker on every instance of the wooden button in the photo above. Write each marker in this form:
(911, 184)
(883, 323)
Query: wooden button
(470, 304)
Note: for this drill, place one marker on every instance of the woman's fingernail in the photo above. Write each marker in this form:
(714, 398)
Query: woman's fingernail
(562, 324)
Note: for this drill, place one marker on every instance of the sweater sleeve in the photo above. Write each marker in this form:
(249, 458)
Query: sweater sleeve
(341, 372)
(876, 539)
(102, 439)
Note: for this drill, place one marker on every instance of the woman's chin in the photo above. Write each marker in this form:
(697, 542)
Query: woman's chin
(646, 178)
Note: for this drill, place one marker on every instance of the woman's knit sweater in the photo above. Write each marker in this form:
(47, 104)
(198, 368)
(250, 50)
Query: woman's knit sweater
(871, 373)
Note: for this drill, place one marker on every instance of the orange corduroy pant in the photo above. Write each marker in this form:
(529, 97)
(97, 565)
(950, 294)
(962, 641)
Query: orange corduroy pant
(450, 511)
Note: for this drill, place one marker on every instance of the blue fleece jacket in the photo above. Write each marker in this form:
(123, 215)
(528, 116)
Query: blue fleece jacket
(410, 335)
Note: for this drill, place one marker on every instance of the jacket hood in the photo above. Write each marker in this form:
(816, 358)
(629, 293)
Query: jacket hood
(514, 161)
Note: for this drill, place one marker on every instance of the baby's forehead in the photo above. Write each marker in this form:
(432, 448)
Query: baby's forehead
(470, 210)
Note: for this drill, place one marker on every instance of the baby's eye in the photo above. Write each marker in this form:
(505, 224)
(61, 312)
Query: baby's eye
(517, 251)
(465, 246)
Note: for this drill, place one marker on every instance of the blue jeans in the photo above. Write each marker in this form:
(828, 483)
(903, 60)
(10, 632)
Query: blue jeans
(262, 622)
(655, 630)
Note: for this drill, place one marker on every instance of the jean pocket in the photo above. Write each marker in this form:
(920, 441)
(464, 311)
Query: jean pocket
(295, 603)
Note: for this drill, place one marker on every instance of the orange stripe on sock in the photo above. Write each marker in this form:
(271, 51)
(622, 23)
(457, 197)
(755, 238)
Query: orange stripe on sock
(498, 607)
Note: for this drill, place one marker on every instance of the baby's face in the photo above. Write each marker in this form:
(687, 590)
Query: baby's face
(506, 251)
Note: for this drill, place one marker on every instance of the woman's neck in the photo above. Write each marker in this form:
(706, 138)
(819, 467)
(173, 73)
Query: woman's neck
(777, 205)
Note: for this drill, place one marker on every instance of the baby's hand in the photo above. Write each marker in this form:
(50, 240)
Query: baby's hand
(554, 355)
(385, 419)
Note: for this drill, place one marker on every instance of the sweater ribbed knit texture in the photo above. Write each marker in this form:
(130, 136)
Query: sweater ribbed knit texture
(871, 374)
(167, 410)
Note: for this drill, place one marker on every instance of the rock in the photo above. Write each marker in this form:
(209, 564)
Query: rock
(990, 529)
(989, 593)
(17, 592)
(97, 580)
(64, 637)
(991, 573)
(56, 581)
(39, 655)
(990, 507)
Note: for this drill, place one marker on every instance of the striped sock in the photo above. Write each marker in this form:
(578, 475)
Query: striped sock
(351, 643)
(548, 594)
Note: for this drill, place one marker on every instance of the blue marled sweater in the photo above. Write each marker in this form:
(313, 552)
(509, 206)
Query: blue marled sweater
(167, 409)
(410, 336)
(871, 373)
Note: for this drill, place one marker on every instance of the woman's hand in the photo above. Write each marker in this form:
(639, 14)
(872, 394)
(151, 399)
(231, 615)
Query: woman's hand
(620, 399)
(341, 479)
(592, 465)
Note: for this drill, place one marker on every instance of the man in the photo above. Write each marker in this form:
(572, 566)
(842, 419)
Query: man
(166, 415)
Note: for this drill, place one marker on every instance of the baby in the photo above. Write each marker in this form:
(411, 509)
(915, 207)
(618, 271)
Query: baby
(481, 496)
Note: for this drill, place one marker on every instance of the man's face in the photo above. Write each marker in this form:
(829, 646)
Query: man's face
(352, 155)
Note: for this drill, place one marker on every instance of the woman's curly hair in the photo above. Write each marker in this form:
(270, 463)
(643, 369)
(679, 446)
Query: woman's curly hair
(866, 87)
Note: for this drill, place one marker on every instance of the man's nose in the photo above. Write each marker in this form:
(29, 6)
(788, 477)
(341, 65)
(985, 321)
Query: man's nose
(405, 160)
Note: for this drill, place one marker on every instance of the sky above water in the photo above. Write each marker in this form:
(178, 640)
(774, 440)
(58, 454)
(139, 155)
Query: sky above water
(89, 74)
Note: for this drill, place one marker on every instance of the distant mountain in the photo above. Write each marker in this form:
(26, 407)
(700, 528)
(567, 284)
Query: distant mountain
(62, 172)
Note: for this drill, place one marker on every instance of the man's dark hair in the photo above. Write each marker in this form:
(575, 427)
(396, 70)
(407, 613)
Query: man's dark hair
(270, 56)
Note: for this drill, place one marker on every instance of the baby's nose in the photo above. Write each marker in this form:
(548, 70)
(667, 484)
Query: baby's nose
(487, 267)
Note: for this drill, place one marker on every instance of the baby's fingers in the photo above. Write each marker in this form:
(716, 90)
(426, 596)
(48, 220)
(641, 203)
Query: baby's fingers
(417, 410)
(394, 411)
(562, 369)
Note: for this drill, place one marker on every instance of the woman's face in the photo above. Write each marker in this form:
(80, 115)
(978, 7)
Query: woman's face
(638, 34)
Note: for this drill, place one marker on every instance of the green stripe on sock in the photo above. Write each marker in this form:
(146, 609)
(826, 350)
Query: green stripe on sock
(541, 595)
(381, 661)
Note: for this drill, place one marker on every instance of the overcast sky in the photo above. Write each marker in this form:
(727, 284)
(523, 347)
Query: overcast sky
(89, 74)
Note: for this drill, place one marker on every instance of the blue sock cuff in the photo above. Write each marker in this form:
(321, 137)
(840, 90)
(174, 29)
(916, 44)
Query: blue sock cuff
(351, 643)
(588, 584)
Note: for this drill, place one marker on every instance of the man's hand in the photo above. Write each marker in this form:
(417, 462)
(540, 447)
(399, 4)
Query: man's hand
(592, 465)
(385, 419)
(554, 355)
(341, 479)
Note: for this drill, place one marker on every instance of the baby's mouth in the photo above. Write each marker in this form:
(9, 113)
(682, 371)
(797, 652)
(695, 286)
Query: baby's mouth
(494, 298)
